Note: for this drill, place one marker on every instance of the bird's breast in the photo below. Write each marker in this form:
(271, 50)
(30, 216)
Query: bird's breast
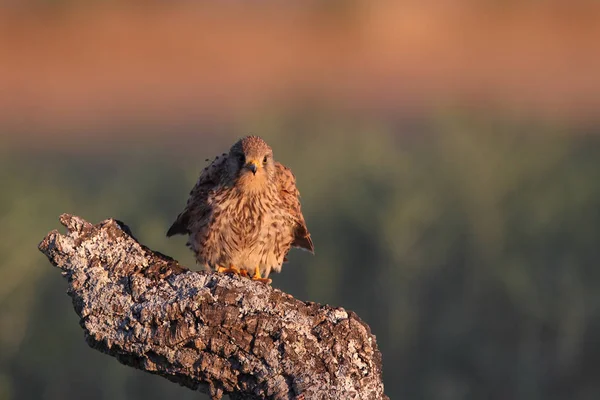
(246, 215)
(247, 230)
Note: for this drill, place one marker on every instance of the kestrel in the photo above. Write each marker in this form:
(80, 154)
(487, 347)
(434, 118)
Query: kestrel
(243, 215)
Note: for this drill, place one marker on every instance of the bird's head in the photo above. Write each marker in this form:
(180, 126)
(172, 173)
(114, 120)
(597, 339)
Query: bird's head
(251, 163)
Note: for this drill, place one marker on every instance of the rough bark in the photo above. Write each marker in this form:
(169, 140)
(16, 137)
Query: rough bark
(215, 333)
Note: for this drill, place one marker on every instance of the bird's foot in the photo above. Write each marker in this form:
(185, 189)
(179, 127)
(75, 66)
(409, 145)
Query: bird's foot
(233, 270)
(220, 269)
(259, 278)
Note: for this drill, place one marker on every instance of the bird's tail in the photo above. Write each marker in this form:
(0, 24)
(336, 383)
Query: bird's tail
(179, 227)
(304, 242)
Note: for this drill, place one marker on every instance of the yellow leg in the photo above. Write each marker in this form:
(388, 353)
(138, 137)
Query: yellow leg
(257, 277)
(233, 269)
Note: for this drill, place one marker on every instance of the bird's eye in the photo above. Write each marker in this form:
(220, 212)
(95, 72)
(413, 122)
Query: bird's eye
(265, 159)
(242, 158)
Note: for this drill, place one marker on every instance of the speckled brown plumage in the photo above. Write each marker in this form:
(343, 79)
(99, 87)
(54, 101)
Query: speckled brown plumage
(244, 212)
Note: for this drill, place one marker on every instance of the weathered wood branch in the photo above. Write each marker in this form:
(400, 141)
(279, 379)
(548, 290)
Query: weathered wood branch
(210, 332)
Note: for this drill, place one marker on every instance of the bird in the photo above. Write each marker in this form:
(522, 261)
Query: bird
(243, 215)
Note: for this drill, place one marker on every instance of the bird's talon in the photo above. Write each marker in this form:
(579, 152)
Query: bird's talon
(263, 280)
(258, 277)
(231, 270)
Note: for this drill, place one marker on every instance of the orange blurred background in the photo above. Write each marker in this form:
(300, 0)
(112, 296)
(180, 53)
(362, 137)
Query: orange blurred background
(74, 64)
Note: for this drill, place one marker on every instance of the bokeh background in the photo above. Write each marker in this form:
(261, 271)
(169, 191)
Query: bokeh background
(447, 153)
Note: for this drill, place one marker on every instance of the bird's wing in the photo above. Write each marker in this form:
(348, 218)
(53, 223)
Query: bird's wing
(197, 206)
(288, 192)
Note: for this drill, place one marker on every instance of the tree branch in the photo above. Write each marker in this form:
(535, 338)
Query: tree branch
(210, 332)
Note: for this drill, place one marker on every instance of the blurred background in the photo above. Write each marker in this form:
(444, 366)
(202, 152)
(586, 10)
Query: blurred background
(447, 153)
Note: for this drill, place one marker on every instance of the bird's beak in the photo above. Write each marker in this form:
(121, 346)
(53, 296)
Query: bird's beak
(252, 166)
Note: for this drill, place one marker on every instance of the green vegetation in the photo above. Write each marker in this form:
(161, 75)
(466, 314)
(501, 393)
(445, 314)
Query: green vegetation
(471, 247)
